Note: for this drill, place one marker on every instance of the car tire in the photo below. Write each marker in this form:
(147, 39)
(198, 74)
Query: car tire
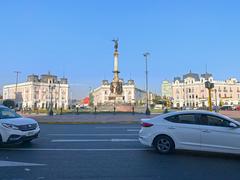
(164, 144)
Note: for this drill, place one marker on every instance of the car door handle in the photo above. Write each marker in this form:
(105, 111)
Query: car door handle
(171, 128)
(206, 131)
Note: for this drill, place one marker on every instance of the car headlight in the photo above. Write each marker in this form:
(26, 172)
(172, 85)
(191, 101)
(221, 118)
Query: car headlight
(10, 126)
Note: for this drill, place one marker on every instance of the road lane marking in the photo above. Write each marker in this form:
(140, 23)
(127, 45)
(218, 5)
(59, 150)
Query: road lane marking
(15, 164)
(127, 127)
(62, 149)
(133, 130)
(92, 134)
(94, 140)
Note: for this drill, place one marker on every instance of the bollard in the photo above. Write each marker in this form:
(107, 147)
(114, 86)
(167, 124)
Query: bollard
(114, 110)
(61, 111)
(133, 110)
(95, 109)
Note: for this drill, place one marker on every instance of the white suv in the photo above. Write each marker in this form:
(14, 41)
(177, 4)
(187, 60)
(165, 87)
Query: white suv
(16, 129)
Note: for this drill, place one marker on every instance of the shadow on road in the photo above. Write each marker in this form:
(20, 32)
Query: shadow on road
(198, 154)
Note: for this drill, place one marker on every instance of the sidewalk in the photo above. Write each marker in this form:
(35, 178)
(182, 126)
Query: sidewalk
(90, 118)
(105, 118)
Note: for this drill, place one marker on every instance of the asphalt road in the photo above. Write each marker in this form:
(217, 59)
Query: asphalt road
(107, 152)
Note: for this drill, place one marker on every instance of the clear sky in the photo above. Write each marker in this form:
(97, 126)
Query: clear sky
(73, 38)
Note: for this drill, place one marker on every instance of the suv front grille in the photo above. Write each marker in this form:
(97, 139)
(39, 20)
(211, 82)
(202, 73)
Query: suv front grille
(27, 127)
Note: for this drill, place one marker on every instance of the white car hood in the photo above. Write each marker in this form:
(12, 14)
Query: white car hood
(18, 121)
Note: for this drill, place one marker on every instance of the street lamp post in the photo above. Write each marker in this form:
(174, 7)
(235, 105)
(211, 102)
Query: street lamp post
(216, 101)
(148, 112)
(16, 88)
(50, 112)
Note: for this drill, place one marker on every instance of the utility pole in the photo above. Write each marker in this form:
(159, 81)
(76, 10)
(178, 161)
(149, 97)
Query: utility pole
(51, 88)
(16, 88)
(147, 91)
(216, 104)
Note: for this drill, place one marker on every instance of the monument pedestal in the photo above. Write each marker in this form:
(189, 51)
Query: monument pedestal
(116, 99)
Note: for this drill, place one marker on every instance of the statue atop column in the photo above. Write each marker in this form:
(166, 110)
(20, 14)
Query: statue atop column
(116, 87)
(115, 44)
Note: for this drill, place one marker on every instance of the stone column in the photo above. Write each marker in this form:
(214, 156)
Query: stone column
(115, 71)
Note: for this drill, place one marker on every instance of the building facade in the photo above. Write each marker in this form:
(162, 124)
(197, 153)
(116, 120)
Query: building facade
(166, 88)
(190, 91)
(131, 94)
(39, 92)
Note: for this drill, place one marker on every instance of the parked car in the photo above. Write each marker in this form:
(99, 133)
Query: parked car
(191, 130)
(227, 108)
(237, 108)
(16, 129)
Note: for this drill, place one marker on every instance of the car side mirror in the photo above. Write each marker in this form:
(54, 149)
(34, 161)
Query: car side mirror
(233, 125)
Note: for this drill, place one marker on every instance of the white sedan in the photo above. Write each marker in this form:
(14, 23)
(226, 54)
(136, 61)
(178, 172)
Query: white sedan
(16, 129)
(191, 130)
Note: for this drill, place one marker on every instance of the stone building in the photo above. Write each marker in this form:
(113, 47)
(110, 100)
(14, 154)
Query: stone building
(166, 88)
(39, 92)
(190, 91)
(131, 94)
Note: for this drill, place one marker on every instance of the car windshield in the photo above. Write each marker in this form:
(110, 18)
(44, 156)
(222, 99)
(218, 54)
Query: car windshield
(6, 113)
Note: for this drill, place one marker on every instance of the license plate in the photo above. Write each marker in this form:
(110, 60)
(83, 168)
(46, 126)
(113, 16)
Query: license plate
(30, 133)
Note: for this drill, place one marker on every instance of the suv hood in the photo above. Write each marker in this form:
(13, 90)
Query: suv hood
(18, 121)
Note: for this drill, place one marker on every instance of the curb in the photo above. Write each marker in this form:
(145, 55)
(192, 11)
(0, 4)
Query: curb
(103, 122)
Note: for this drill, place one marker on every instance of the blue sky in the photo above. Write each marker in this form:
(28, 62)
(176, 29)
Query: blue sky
(73, 38)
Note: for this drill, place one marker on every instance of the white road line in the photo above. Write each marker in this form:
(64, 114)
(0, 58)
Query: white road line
(15, 164)
(94, 140)
(92, 134)
(133, 130)
(57, 149)
(127, 127)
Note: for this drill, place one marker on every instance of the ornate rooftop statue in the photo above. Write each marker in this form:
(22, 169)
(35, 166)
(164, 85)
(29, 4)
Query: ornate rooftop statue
(115, 44)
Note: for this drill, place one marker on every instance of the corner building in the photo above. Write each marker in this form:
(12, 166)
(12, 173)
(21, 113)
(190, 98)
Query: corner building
(39, 92)
(190, 91)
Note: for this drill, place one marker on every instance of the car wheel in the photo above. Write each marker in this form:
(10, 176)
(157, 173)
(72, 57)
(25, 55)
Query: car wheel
(164, 144)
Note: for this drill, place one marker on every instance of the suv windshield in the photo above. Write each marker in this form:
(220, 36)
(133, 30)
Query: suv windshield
(8, 113)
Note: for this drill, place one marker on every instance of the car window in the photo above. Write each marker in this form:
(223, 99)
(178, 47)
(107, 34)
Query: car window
(184, 119)
(214, 121)
(173, 119)
(187, 119)
(8, 113)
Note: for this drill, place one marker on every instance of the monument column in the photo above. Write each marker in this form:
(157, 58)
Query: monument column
(115, 70)
(116, 87)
